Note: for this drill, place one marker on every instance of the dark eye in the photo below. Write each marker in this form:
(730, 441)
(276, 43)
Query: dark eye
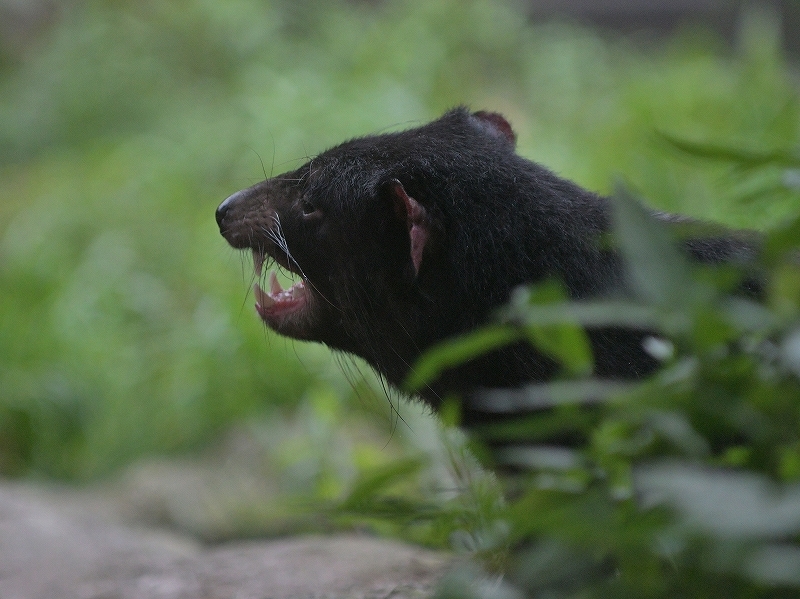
(308, 208)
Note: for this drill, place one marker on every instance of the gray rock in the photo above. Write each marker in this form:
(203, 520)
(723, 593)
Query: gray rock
(68, 544)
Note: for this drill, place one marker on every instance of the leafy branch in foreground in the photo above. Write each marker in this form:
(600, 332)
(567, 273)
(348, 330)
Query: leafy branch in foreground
(685, 484)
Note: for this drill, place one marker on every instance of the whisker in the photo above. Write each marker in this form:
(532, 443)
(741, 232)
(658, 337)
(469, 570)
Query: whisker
(278, 237)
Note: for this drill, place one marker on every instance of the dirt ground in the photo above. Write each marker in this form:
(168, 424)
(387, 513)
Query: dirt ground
(60, 543)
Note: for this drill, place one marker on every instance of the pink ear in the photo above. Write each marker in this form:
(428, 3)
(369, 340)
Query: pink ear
(408, 209)
(498, 123)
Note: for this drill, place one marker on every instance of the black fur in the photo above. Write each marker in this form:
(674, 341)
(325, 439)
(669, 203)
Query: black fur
(483, 220)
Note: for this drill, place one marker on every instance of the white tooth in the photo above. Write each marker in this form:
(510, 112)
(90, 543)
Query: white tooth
(274, 286)
(258, 261)
(263, 299)
(297, 290)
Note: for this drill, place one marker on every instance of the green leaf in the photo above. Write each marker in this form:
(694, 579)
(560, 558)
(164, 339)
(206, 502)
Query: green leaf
(722, 503)
(458, 351)
(775, 565)
(743, 157)
(539, 457)
(782, 239)
(791, 178)
(658, 271)
(371, 485)
(593, 313)
(567, 343)
(550, 395)
(756, 189)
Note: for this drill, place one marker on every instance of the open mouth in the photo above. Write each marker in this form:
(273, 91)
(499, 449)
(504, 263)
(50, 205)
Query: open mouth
(278, 304)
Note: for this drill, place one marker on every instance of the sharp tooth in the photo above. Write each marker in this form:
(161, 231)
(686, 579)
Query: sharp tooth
(258, 261)
(263, 299)
(274, 286)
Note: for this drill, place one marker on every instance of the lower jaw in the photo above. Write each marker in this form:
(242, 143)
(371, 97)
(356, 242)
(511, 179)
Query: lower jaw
(280, 313)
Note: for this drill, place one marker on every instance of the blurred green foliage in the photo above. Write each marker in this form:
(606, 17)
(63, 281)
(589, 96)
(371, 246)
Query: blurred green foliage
(125, 320)
(685, 484)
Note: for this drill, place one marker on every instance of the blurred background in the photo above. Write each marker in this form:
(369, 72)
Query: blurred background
(126, 323)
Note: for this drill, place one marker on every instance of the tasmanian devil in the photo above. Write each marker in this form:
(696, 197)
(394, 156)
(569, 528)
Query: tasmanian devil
(405, 239)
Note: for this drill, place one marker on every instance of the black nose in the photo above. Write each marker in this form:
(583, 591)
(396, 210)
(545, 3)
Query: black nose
(225, 207)
(221, 210)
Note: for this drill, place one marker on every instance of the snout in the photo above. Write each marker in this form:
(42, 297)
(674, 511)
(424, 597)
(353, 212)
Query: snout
(236, 219)
(245, 219)
(225, 207)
